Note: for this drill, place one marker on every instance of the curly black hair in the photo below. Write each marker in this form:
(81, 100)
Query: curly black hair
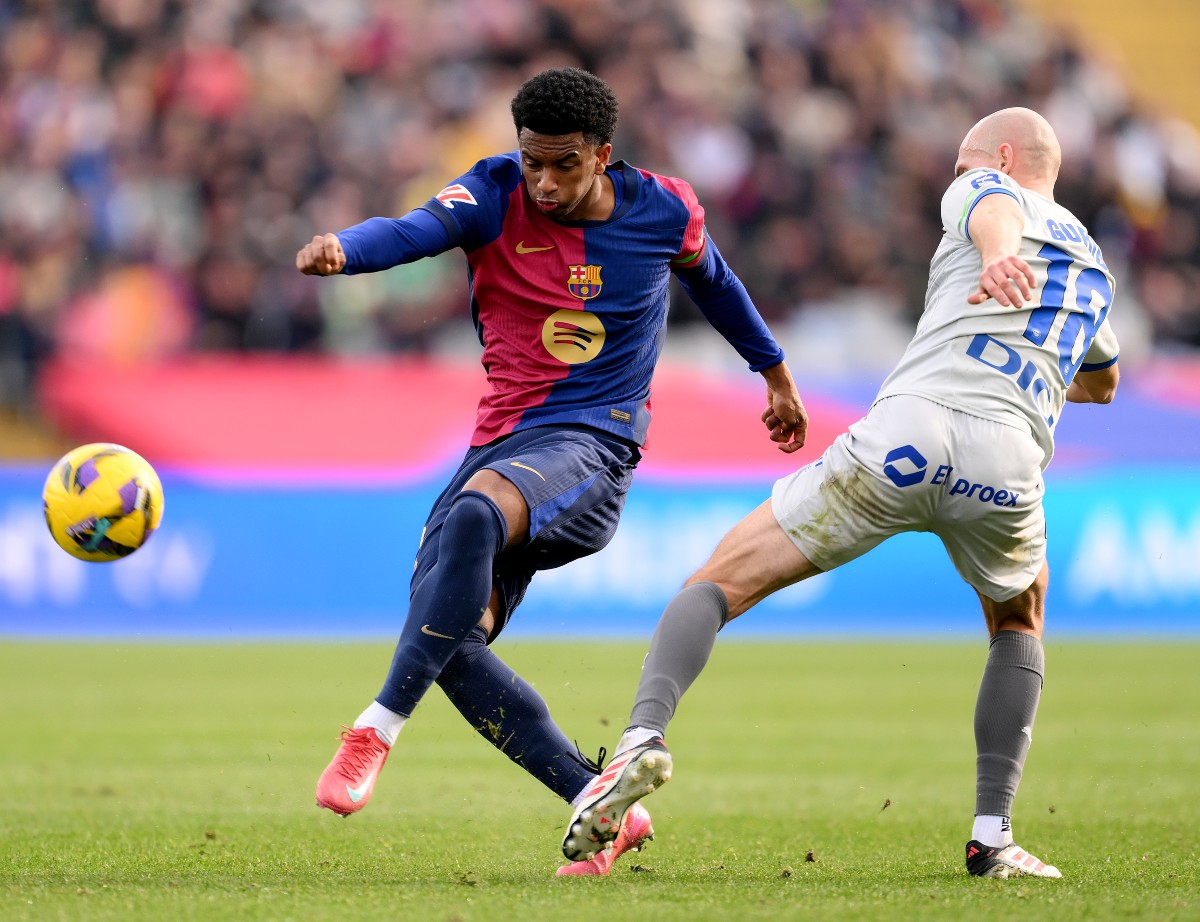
(564, 100)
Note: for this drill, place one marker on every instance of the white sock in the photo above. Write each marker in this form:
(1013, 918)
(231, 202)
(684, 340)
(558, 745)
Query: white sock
(635, 736)
(386, 723)
(992, 830)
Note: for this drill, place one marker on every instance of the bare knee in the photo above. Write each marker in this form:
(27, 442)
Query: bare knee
(753, 561)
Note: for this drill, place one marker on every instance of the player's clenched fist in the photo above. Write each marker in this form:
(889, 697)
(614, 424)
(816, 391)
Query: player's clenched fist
(324, 256)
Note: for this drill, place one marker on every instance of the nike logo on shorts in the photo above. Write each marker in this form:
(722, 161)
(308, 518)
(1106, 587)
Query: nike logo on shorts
(526, 467)
(426, 630)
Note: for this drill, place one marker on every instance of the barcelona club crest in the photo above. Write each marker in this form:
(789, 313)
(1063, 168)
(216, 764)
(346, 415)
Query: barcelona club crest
(584, 282)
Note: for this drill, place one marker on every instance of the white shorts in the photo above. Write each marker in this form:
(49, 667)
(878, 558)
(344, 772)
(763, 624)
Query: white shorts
(915, 465)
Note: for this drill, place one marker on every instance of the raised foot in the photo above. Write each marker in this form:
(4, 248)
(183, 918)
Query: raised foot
(598, 818)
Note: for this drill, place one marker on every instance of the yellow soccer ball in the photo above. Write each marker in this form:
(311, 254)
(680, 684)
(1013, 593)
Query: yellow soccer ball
(102, 502)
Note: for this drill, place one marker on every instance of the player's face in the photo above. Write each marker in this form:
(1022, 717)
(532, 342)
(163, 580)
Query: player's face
(562, 173)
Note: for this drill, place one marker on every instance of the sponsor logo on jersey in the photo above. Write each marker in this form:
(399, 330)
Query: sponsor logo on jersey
(909, 470)
(980, 491)
(1008, 361)
(990, 177)
(584, 281)
(456, 193)
(573, 337)
(983, 492)
(906, 467)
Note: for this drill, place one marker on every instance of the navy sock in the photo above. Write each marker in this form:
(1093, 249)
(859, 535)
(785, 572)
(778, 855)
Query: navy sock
(512, 716)
(448, 603)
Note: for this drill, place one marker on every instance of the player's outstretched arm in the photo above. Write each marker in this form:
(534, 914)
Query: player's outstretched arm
(324, 256)
(1094, 386)
(785, 415)
(996, 226)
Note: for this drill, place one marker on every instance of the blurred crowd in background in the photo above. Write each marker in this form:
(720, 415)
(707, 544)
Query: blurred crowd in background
(162, 160)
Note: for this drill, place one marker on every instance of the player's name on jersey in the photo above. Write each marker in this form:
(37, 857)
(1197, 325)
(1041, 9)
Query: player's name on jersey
(1075, 233)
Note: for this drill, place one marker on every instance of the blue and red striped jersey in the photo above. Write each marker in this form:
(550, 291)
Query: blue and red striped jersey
(571, 315)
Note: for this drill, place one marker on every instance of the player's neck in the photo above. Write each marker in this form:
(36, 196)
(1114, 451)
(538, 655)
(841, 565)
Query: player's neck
(599, 206)
(1039, 184)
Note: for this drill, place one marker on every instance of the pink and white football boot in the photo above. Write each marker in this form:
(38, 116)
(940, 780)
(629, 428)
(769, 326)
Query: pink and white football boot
(347, 782)
(599, 817)
(635, 832)
(1009, 861)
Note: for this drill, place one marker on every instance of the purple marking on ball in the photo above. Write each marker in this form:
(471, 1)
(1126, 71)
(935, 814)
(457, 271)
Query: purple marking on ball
(129, 495)
(86, 475)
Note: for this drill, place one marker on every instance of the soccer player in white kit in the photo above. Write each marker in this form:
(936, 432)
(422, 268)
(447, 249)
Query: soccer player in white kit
(1015, 324)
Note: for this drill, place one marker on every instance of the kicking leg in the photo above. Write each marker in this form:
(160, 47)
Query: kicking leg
(509, 713)
(513, 717)
(447, 602)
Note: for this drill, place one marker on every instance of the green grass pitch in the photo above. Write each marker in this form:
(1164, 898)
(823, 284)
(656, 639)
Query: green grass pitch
(813, 779)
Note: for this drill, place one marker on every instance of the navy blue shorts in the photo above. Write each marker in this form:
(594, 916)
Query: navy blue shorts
(574, 480)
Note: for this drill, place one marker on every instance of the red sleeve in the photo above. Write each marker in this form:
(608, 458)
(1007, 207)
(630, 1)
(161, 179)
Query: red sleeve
(693, 236)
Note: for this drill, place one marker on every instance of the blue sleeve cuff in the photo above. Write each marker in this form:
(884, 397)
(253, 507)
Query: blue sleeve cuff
(763, 366)
(982, 195)
(1099, 366)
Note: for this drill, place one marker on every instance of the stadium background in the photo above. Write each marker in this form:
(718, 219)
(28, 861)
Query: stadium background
(164, 160)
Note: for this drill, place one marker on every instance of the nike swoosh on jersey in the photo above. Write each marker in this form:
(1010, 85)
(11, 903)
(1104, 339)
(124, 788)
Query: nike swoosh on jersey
(521, 248)
(358, 793)
(425, 630)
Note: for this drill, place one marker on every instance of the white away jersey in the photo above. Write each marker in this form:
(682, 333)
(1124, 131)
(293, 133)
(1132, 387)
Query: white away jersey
(1000, 363)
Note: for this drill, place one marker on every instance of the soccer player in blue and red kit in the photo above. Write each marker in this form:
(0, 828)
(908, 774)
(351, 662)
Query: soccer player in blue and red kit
(570, 257)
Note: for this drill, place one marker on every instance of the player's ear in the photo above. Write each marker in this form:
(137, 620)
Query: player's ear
(603, 153)
(1006, 158)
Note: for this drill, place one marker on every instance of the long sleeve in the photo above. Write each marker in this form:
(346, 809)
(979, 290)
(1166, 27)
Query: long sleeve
(381, 243)
(726, 304)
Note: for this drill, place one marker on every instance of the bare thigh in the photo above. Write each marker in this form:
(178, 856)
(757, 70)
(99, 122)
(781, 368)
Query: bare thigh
(754, 560)
(1024, 612)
